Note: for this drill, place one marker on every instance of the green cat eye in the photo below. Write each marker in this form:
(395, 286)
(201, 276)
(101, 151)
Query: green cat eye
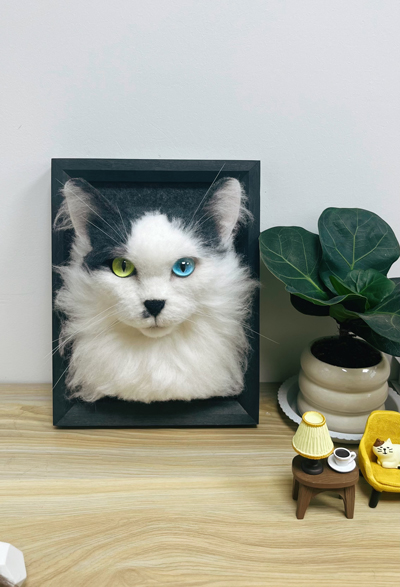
(122, 267)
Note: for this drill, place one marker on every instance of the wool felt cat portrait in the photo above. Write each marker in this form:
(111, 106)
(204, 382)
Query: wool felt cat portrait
(154, 300)
(388, 454)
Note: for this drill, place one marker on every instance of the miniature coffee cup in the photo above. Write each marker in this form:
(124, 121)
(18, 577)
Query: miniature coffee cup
(343, 457)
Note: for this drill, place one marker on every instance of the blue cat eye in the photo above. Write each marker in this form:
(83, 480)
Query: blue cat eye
(184, 267)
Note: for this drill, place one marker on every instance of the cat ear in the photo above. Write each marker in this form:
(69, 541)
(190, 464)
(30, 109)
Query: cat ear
(378, 442)
(81, 202)
(388, 441)
(227, 207)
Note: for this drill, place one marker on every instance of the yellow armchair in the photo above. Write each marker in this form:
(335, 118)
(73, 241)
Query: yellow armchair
(381, 424)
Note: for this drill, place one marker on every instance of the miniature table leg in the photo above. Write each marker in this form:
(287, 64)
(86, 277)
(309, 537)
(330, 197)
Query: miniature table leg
(295, 491)
(304, 498)
(349, 497)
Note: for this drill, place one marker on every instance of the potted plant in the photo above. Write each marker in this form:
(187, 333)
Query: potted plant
(342, 273)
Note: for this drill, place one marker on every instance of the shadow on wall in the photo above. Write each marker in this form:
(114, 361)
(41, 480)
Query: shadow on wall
(25, 270)
(293, 330)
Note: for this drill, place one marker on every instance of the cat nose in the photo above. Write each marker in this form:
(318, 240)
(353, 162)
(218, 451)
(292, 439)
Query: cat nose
(154, 307)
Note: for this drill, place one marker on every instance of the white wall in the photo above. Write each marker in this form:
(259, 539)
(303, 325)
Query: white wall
(310, 88)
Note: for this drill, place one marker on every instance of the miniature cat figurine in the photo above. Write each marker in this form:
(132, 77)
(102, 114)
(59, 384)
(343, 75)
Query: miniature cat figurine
(154, 298)
(388, 454)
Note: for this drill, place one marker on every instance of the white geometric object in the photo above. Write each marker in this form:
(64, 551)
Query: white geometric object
(345, 396)
(12, 564)
(287, 399)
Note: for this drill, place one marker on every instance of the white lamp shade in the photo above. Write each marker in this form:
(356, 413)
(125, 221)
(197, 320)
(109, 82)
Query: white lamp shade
(312, 439)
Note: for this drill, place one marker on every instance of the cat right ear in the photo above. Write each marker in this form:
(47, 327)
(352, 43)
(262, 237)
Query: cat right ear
(80, 203)
(228, 208)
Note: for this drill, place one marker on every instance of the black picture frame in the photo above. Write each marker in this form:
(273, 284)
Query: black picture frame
(242, 410)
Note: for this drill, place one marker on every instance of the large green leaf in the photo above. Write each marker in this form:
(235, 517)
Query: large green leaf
(352, 238)
(357, 301)
(379, 342)
(340, 285)
(384, 319)
(293, 255)
(329, 302)
(307, 307)
(342, 314)
(369, 283)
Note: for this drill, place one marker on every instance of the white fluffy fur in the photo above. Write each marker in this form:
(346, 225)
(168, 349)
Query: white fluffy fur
(195, 348)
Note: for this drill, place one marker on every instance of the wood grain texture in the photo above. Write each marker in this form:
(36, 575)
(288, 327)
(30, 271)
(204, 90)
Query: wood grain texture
(207, 507)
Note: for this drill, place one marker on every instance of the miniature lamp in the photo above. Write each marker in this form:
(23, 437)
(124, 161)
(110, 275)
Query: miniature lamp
(312, 441)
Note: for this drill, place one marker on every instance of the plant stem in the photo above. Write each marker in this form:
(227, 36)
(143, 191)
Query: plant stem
(343, 329)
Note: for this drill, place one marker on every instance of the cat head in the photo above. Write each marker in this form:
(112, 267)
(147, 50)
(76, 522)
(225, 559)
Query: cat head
(153, 266)
(382, 448)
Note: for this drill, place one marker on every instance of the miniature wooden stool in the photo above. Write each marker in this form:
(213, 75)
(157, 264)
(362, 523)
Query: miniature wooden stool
(307, 486)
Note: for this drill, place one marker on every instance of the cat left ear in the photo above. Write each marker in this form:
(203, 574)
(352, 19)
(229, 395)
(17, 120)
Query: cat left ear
(378, 442)
(227, 206)
(81, 203)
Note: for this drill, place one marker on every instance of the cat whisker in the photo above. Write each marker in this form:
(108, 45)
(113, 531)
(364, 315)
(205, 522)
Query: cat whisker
(64, 342)
(101, 218)
(94, 338)
(205, 195)
(108, 235)
(192, 321)
(59, 379)
(259, 334)
(90, 323)
(91, 319)
(97, 214)
(244, 326)
(198, 222)
(203, 219)
(123, 223)
(206, 217)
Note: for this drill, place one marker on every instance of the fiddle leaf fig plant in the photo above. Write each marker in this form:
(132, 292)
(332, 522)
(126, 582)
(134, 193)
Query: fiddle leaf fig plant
(342, 272)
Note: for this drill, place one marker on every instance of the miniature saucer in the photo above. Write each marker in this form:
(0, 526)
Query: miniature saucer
(341, 469)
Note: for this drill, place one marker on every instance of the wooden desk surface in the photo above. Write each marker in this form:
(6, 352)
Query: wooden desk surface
(125, 508)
